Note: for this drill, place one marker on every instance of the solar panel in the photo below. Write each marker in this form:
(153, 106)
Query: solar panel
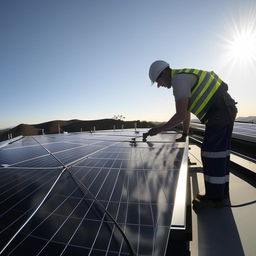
(88, 194)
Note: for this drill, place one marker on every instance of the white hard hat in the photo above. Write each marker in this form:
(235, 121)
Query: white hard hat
(156, 68)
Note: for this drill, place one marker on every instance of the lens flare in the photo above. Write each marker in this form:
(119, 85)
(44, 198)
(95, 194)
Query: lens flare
(240, 41)
(242, 47)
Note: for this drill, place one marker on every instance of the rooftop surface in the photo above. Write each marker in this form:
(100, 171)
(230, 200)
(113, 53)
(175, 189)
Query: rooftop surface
(225, 231)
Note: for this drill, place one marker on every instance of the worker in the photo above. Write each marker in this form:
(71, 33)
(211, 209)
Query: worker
(205, 95)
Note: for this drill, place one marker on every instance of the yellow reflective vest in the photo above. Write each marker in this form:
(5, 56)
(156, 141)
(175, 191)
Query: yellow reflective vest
(202, 92)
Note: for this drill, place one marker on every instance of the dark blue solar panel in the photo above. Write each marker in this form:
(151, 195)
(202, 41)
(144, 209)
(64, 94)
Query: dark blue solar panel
(10, 156)
(44, 161)
(134, 183)
(60, 146)
(21, 191)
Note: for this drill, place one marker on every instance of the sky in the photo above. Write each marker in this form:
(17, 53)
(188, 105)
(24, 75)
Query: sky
(89, 59)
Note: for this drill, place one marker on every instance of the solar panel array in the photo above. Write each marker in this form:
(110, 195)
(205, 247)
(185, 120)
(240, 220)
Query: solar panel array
(71, 194)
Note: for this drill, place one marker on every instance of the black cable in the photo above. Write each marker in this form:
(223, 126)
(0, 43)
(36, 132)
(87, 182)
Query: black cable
(240, 205)
(101, 206)
(105, 210)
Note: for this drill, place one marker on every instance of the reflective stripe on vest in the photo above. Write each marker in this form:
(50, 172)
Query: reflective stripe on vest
(216, 180)
(202, 92)
(219, 154)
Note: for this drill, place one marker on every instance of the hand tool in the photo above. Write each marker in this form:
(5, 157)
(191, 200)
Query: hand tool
(145, 135)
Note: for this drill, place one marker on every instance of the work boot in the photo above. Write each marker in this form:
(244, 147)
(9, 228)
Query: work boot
(207, 203)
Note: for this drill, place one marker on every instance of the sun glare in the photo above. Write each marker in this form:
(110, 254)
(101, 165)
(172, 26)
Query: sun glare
(243, 46)
(240, 41)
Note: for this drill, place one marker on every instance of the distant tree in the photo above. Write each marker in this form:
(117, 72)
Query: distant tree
(119, 117)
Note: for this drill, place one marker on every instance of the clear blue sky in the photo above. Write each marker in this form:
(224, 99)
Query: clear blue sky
(81, 59)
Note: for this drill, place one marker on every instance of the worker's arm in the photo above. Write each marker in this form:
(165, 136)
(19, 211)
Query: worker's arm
(181, 115)
(186, 123)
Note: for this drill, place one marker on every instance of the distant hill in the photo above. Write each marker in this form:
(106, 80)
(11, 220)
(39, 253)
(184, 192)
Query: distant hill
(70, 126)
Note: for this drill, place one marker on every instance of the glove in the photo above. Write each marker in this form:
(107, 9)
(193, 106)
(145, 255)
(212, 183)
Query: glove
(182, 138)
(153, 131)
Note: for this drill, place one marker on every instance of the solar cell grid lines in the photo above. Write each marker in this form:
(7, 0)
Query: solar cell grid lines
(70, 194)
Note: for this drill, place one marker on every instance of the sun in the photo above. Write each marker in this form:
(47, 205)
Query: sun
(240, 42)
(242, 47)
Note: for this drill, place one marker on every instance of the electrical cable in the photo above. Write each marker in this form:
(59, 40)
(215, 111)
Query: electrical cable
(247, 158)
(33, 213)
(105, 210)
(240, 205)
(101, 206)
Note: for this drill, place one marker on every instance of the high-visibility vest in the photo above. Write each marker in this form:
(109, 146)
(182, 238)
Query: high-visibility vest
(202, 92)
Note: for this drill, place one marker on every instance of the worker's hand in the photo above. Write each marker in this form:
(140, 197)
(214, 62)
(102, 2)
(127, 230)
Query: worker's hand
(154, 131)
(144, 136)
